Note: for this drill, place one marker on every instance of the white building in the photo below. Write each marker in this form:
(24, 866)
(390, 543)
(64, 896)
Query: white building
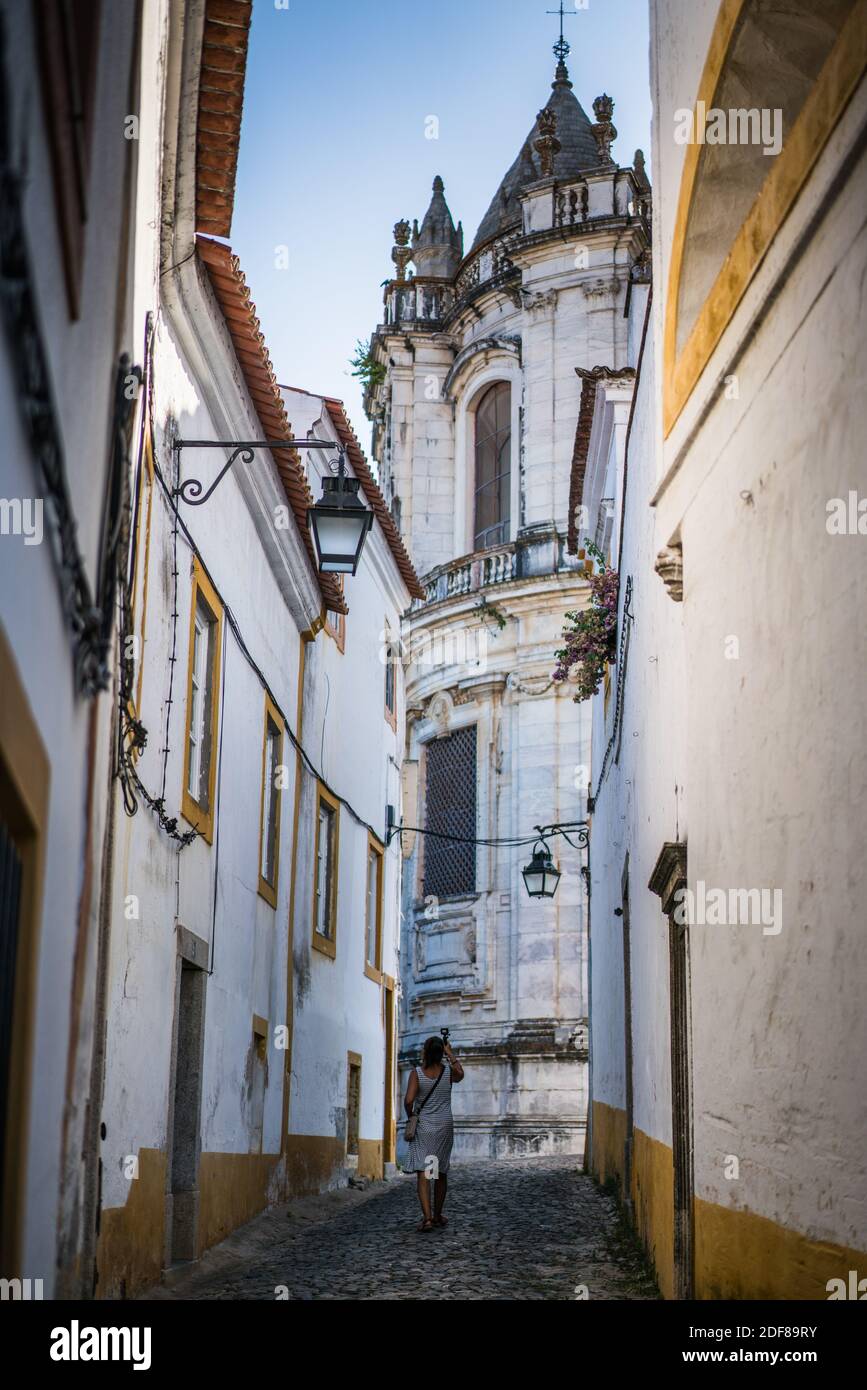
(475, 401)
(728, 1026)
(343, 1109)
(68, 345)
(201, 988)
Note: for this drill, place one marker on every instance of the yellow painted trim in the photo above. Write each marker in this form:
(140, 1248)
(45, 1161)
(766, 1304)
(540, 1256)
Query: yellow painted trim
(741, 1255)
(816, 121)
(233, 1188)
(389, 1024)
(314, 1162)
(390, 714)
(293, 875)
(326, 944)
(131, 1247)
(374, 972)
(192, 812)
(738, 1254)
(370, 1158)
(609, 1142)
(272, 717)
(653, 1204)
(25, 781)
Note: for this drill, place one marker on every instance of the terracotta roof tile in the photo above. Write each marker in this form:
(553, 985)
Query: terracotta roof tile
(221, 100)
(233, 296)
(361, 469)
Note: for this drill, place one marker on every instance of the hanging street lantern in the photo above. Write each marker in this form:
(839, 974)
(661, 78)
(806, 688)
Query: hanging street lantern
(541, 875)
(339, 523)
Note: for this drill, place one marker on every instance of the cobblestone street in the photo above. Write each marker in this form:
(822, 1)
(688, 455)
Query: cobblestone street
(518, 1229)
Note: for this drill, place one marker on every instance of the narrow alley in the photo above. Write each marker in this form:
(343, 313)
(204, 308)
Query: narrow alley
(520, 1228)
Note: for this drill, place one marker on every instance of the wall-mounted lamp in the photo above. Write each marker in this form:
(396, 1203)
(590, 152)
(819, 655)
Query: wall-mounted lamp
(339, 522)
(541, 876)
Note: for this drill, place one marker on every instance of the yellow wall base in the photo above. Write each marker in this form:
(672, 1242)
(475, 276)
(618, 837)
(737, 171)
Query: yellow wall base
(738, 1254)
(233, 1188)
(653, 1205)
(313, 1163)
(609, 1142)
(129, 1256)
(741, 1255)
(370, 1158)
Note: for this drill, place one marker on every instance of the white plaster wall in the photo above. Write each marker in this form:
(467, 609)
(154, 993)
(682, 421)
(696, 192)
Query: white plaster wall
(640, 805)
(246, 936)
(81, 357)
(337, 1008)
(774, 755)
(784, 807)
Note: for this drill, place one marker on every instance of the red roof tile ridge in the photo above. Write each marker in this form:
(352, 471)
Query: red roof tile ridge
(261, 383)
(341, 422)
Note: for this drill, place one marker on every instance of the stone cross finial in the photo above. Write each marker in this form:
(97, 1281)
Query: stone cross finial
(547, 144)
(401, 253)
(604, 131)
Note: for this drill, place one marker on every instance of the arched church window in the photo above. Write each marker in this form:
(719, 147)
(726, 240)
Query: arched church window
(493, 466)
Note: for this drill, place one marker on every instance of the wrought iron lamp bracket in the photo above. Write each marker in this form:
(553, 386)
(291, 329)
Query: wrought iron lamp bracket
(191, 490)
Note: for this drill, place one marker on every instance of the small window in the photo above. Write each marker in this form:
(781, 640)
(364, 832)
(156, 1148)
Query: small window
(391, 657)
(373, 913)
(353, 1103)
(202, 706)
(325, 874)
(493, 466)
(269, 839)
(68, 33)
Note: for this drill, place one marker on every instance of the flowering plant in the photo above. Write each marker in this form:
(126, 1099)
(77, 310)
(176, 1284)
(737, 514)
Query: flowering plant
(591, 635)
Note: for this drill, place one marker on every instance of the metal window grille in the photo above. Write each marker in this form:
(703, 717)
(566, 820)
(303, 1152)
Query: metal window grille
(450, 809)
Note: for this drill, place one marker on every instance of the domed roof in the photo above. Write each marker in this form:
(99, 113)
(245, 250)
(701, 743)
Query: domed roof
(578, 152)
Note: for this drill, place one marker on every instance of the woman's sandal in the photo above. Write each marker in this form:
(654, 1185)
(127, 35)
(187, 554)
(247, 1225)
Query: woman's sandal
(425, 1227)
(441, 1221)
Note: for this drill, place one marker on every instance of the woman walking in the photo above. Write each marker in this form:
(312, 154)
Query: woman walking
(428, 1099)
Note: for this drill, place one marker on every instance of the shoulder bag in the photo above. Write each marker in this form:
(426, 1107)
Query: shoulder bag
(412, 1123)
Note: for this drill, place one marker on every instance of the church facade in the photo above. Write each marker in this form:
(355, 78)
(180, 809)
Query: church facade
(474, 391)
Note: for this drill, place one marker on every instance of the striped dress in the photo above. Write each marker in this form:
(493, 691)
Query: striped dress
(435, 1133)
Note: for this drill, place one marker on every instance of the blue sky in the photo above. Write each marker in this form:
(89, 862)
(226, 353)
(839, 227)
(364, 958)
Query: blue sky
(334, 152)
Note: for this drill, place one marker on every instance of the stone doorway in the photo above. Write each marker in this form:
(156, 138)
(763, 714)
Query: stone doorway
(182, 1194)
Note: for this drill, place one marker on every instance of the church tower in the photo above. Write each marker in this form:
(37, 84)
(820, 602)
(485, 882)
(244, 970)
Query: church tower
(475, 401)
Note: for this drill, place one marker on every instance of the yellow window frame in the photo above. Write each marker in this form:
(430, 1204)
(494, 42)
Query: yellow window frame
(374, 972)
(326, 944)
(199, 816)
(390, 664)
(273, 718)
(810, 132)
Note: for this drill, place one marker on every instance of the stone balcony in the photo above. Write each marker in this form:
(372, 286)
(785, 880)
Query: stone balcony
(538, 552)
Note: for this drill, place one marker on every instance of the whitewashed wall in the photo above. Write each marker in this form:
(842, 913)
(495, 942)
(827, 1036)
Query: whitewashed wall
(338, 1009)
(82, 357)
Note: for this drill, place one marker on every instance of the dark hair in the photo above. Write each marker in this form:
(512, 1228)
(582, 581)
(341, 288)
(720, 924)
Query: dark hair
(432, 1052)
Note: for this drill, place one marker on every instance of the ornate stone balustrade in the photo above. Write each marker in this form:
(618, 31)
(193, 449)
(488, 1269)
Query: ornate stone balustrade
(538, 551)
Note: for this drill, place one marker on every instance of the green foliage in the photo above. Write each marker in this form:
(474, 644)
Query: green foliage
(365, 366)
(487, 612)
